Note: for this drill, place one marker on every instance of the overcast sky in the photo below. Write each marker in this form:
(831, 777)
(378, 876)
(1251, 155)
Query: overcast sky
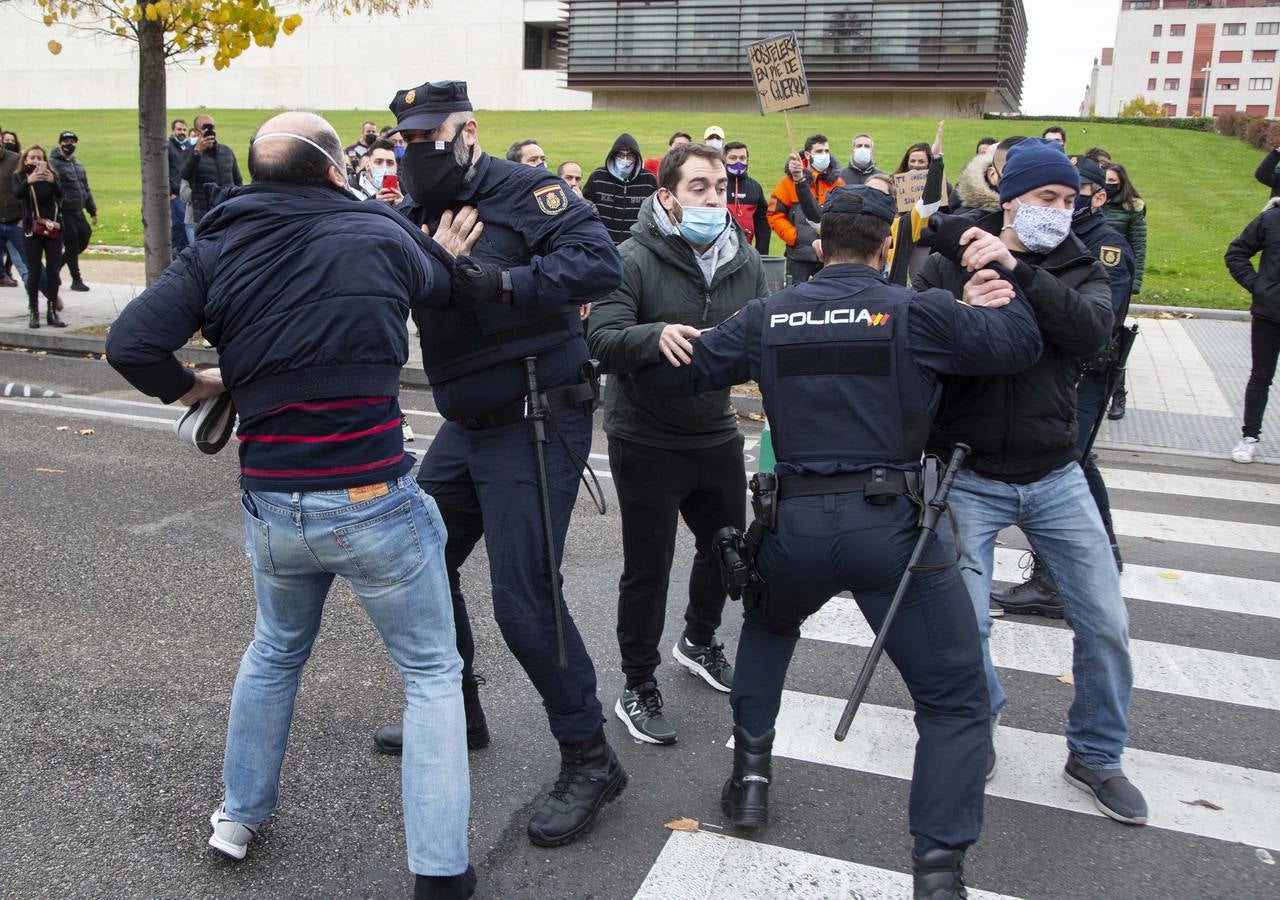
(1063, 38)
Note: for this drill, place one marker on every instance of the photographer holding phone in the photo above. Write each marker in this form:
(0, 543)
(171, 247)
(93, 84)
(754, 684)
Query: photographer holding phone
(796, 201)
(37, 187)
(210, 165)
(380, 179)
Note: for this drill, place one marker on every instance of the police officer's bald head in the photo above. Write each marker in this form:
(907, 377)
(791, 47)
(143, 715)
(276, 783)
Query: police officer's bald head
(297, 148)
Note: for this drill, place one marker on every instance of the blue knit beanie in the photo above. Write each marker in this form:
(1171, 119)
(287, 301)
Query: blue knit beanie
(1034, 163)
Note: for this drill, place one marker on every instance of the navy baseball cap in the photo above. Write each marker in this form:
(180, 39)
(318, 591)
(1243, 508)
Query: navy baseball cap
(1091, 172)
(424, 107)
(859, 199)
(68, 136)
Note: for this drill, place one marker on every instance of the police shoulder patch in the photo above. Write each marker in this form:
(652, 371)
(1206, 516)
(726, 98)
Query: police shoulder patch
(551, 199)
(1110, 256)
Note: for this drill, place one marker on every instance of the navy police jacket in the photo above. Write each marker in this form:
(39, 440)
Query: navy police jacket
(1109, 247)
(559, 256)
(848, 366)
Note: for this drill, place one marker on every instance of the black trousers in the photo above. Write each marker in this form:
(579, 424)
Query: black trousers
(1264, 340)
(656, 487)
(76, 232)
(50, 249)
(839, 542)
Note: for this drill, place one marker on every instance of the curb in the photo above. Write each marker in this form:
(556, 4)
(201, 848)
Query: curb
(1193, 312)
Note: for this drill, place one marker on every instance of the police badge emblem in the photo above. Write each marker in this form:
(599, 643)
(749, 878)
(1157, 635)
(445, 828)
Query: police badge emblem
(410, 97)
(551, 199)
(1110, 256)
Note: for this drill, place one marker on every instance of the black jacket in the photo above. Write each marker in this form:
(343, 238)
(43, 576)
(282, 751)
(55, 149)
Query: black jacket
(178, 152)
(76, 195)
(272, 284)
(218, 169)
(617, 201)
(1267, 172)
(1262, 235)
(10, 205)
(1022, 427)
(48, 197)
(1109, 247)
(851, 175)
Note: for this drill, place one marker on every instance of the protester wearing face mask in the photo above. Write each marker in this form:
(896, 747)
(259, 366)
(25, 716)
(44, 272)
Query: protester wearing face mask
(746, 198)
(796, 204)
(1024, 466)
(11, 232)
(368, 135)
(77, 199)
(862, 161)
(617, 188)
(36, 186)
(713, 137)
(380, 162)
(686, 266)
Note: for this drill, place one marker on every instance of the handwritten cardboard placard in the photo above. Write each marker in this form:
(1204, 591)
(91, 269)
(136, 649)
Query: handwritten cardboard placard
(777, 71)
(908, 188)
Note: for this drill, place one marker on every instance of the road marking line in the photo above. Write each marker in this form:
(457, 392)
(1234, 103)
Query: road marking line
(1215, 533)
(1221, 593)
(76, 410)
(1191, 486)
(706, 866)
(1166, 668)
(1030, 770)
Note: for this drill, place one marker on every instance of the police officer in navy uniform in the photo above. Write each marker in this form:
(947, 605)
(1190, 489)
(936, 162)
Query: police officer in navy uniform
(541, 253)
(1038, 593)
(848, 367)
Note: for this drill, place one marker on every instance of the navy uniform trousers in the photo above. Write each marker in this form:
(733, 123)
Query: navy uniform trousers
(486, 483)
(838, 542)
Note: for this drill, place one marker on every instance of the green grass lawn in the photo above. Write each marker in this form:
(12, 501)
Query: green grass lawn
(1199, 187)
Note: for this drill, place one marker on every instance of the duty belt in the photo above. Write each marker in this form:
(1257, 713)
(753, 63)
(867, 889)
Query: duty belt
(581, 394)
(873, 483)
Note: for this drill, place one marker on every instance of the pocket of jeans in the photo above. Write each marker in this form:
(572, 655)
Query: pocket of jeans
(384, 549)
(257, 541)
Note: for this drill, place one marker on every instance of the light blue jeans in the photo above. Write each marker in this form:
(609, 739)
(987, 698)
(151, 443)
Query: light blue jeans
(11, 239)
(391, 549)
(1060, 519)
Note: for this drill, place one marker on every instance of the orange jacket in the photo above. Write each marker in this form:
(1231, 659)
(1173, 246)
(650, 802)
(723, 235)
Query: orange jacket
(787, 218)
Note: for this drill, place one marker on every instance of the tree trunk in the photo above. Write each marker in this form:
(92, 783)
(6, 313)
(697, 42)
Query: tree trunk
(152, 110)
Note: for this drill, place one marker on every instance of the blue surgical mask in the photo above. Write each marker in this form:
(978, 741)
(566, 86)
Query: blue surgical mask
(820, 161)
(376, 175)
(400, 148)
(701, 225)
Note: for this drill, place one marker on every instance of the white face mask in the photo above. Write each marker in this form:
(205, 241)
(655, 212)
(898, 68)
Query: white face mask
(342, 167)
(715, 143)
(862, 157)
(1041, 228)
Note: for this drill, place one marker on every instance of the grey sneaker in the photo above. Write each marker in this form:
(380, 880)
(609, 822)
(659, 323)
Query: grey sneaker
(231, 838)
(641, 711)
(707, 661)
(1113, 794)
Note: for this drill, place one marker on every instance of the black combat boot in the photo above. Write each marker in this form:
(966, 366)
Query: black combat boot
(745, 797)
(51, 314)
(938, 875)
(1038, 594)
(34, 307)
(445, 887)
(590, 776)
(390, 738)
(1118, 401)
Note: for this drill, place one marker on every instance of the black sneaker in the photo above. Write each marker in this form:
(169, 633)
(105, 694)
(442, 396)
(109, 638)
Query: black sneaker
(78, 285)
(707, 661)
(590, 776)
(1113, 793)
(641, 711)
(1037, 595)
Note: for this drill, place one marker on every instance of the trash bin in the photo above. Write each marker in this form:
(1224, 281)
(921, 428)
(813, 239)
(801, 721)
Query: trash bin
(775, 272)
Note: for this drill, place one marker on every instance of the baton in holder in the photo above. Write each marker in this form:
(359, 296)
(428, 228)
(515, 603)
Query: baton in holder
(932, 509)
(536, 415)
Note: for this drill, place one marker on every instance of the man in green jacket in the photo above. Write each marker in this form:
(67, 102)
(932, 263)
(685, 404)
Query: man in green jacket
(686, 267)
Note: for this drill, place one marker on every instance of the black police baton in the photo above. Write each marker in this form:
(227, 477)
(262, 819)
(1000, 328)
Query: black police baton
(933, 508)
(537, 416)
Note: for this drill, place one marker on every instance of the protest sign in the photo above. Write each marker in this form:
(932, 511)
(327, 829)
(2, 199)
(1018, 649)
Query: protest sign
(908, 187)
(777, 71)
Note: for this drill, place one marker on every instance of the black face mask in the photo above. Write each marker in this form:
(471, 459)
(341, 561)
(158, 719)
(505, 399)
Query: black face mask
(11, 147)
(369, 139)
(1084, 207)
(68, 149)
(433, 173)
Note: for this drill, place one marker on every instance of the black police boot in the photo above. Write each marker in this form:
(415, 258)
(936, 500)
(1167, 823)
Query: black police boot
(938, 874)
(445, 887)
(1117, 406)
(745, 797)
(34, 308)
(390, 738)
(51, 315)
(590, 776)
(1038, 594)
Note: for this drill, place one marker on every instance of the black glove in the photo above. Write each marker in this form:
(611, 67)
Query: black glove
(477, 282)
(942, 235)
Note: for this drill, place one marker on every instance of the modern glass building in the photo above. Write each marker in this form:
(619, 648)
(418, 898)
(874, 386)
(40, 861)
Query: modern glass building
(923, 57)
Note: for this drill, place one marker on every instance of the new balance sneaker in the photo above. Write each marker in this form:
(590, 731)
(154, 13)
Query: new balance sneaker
(231, 838)
(707, 661)
(405, 429)
(1243, 451)
(641, 711)
(1113, 793)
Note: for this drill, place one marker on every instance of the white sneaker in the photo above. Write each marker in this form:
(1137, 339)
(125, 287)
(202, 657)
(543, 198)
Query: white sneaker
(231, 838)
(1243, 452)
(405, 429)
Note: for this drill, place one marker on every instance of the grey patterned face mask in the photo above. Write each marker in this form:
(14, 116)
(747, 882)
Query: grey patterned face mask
(1041, 228)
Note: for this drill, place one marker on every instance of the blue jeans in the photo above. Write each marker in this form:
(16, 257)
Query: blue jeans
(177, 230)
(1060, 519)
(11, 240)
(391, 549)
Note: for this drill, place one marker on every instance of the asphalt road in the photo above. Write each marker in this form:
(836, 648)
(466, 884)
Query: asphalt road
(126, 602)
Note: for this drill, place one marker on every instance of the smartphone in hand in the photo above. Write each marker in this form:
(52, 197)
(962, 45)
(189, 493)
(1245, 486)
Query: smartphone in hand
(391, 182)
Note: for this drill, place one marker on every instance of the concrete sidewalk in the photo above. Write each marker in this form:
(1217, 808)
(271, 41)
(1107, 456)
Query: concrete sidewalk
(1186, 375)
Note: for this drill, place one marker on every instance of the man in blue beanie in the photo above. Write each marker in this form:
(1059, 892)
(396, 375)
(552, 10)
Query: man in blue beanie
(1024, 466)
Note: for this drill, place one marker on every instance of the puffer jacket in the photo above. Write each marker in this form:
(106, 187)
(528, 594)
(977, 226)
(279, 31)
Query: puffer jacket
(76, 195)
(1262, 235)
(662, 284)
(1131, 222)
(1022, 427)
(796, 207)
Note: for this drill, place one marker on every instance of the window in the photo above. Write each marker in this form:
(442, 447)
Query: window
(1221, 108)
(1261, 109)
(1267, 28)
(1232, 28)
(1227, 84)
(1264, 56)
(1231, 56)
(1155, 56)
(1172, 84)
(543, 46)
(1173, 56)
(1151, 84)
(1143, 4)
(1156, 29)
(1170, 110)
(1260, 84)
(1177, 30)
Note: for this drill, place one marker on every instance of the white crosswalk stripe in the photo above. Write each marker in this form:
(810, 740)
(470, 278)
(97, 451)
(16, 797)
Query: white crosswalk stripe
(1192, 530)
